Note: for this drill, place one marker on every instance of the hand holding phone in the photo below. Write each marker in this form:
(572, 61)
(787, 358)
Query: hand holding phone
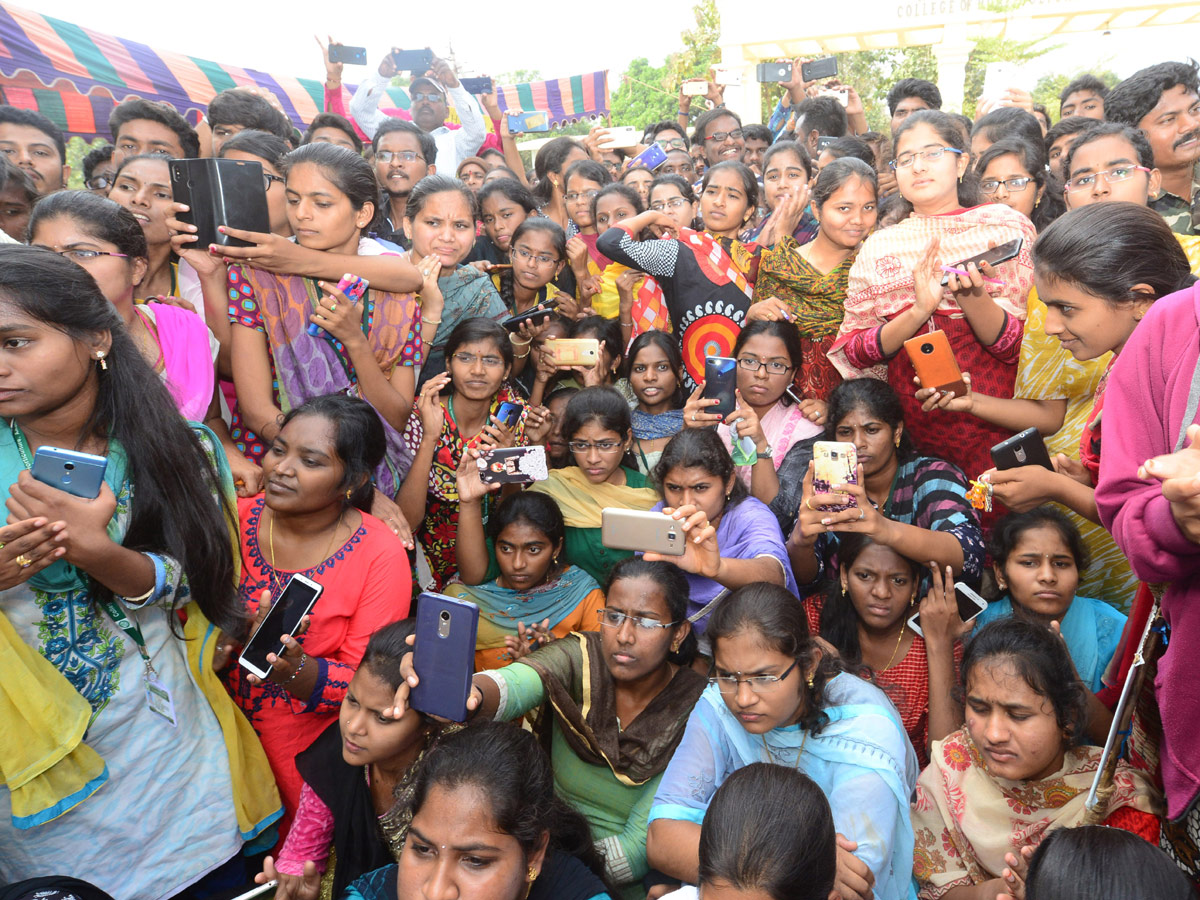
(720, 383)
(283, 617)
(969, 603)
(835, 462)
(934, 362)
(444, 656)
(353, 288)
(79, 474)
(353, 56)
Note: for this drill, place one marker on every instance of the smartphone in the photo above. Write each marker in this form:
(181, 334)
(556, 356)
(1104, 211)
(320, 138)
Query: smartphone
(350, 285)
(284, 617)
(642, 530)
(444, 656)
(416, 61)
(536, 316)
(620, 137)
(573, 351)
(970, 605)
(509, 413)
(79, 474)
(720, 383)
(993, 257)
(651, 158)
(258, 890)
(775, 71)
(823, 141)
(834, 462)
(934, 361)
(354, 56)
(478, 85)
(841, 96)
(694, 88)
(525, 122)
(728, 77)
(816, 69)
(229, 192)
(1024, 449)
(513, 465)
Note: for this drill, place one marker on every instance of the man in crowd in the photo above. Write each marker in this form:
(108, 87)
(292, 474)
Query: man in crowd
(404, 154)
(909, 95)
(1083, 97)
(139, 126)
(31, 142)
(236, 110)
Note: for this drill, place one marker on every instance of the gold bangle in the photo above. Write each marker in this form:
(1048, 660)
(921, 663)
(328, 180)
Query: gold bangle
(431, 321)
(513, 337)
(521, 355)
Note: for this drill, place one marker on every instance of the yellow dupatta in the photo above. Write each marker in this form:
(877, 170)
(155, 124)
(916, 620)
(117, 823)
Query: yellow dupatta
(581, 501)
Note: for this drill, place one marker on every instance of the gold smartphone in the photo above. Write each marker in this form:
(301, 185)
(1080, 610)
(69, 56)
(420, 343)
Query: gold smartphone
(573, 351)
(636, 529)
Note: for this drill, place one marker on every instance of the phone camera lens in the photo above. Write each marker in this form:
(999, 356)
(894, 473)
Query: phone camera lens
(670, 535)
(927, 348)
(69, 466)
(445, 616)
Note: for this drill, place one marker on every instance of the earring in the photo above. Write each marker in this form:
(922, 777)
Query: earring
(897, 441)
(533, 874)
(809, 681)
(102, 361)
(349, 491)
(675, 647)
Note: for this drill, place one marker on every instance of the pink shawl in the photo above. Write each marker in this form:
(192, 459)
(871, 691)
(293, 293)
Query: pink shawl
(183, 340)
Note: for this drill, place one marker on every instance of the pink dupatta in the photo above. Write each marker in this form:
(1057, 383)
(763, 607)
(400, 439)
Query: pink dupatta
(188, 370)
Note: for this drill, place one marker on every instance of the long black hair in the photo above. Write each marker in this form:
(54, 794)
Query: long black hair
(550, 159)
(385, 650)
(349, 172)
(701, 448)
(358, 438)
(672, 584)
(1092, 861)
(537, 511)
(506, 765)
(174, 507)
(103, 219)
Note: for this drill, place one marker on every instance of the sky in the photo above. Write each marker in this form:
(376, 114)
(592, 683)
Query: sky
(555, 38)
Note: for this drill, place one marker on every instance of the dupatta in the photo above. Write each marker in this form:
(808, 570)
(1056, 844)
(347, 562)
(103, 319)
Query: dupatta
(183, 341)
(649, 306)
(581, 501)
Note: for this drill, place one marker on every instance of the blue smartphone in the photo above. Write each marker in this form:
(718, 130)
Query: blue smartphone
(526, 122)
(350, 285)
(652, 157)
(509, 413)
(720, 383)
(444, 655)
(79, 474)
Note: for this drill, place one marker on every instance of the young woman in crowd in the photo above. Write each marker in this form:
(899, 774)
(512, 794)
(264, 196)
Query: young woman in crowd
(707, 277)
(787, 172)
(654, 370)
(512, 569)
(1013, 173)
(486, 822)
(549, 168)
(582, 181)
(558, 454)
(542, 377)
(767, 414)
(639, 179)
(142, 184)
(672, 195)
(914, 504)
(806, 285)
(1092, 861)
(455, 411)
(864, 615)
(625, 294)
(768, 835)
(896, 291)
(359, 776)
(1015, 771)
(611, 354)
(732, 538)
(537, 249)
(599, 434)
(775, 697)
(1038, 558)
(90, 592)
(312, 520)
(503, 205)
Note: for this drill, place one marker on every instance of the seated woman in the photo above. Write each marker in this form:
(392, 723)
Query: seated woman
(864, 616)
(707, 277)
(359, 775)
(654, 370)
(312, 520)
(776, 697)
(732, 538)
(806, 285)
(91, 592)
(1091, 862)
(1038, 557)
(1015, 771)
(768, 413)
(367, 348)
(485, 822)
(456, 411)
(515, 575)
(599, 434)
(767, 835)
(917, 505)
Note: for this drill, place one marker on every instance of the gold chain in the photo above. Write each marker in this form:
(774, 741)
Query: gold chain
(277, 580)
(771, 756)
(897, 650)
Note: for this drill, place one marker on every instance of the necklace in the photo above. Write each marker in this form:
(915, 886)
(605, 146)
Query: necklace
(897, 650)
(276, 579)
(799, 753)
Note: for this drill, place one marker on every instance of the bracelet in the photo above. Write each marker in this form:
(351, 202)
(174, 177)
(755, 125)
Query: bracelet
(682, 112)
(625, 324)
(513, 337)
(299, 669)
(521, 355)
(432, 321)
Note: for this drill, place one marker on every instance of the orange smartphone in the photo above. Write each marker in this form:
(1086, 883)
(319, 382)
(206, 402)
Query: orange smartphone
(573, 351)
(935, 363)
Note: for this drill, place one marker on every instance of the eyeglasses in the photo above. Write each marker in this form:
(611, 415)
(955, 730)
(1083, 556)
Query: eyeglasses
(615, 619)
(100, 182)
(79, 255)
(903, 162)
(602, 446)
(759, 684)
(540, 258)
(418, 96)
(671, 143)
(469, 359)
(270, 179)
(673, 203)
(719, 136)
(387, 156)
(1012, 185)
(1110, 176)
(580, 195)
(774, 366)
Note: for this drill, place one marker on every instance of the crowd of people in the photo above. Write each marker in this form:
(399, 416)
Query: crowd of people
(798, 705)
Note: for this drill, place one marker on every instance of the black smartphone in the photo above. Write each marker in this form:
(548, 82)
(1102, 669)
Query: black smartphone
(775, 71)
(230, 192)
(416, 61)
(478, 85)
(720, 383)
(351, 56)
(823, 141)
(444, 656)
(970, 604)
(1024, 449)
(998, 254)
(284, 617)
(536, 316)
(509, 413)
(816, 69)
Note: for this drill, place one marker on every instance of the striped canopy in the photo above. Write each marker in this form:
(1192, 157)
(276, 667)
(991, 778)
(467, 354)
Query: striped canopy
(567, 100)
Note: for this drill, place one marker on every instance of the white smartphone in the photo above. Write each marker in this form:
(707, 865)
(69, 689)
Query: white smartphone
(695, 88)
(284, 617)
(727, 77)
(970, 605)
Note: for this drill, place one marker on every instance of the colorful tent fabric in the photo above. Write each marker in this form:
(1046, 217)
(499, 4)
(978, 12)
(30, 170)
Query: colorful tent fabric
(568, 100)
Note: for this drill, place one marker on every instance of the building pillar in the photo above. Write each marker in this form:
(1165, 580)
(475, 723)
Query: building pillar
(745, 99)
(951, 55)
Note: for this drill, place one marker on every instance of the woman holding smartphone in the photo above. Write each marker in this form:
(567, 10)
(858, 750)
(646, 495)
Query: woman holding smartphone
(312, 520)
(90, 596)
(142, 184)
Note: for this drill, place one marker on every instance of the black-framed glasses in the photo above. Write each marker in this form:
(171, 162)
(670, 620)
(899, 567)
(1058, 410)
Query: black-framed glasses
(269, 179)
(1012, 185)
(759, 684)
(774, 366)
(719, 136)
(100, 182)
(929, 155)
(614, 618)
(386, 156)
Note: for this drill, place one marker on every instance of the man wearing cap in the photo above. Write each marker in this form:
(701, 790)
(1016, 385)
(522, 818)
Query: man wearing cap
(429, 93)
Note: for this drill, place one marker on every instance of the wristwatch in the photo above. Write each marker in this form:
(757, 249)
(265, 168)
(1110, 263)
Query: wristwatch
(768, 453)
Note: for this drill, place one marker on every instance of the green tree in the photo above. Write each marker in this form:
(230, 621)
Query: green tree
(644, 95)
(1049, 87)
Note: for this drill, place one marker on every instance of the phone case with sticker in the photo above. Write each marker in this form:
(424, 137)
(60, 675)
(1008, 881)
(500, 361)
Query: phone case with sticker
(513, 465)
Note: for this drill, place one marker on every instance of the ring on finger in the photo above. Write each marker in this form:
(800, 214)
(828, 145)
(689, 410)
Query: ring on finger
(23, 561)
(333, 306)
(862, 514)
(808, 503)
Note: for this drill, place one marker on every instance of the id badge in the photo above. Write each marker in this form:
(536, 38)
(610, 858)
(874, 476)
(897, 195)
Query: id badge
(158, 695)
